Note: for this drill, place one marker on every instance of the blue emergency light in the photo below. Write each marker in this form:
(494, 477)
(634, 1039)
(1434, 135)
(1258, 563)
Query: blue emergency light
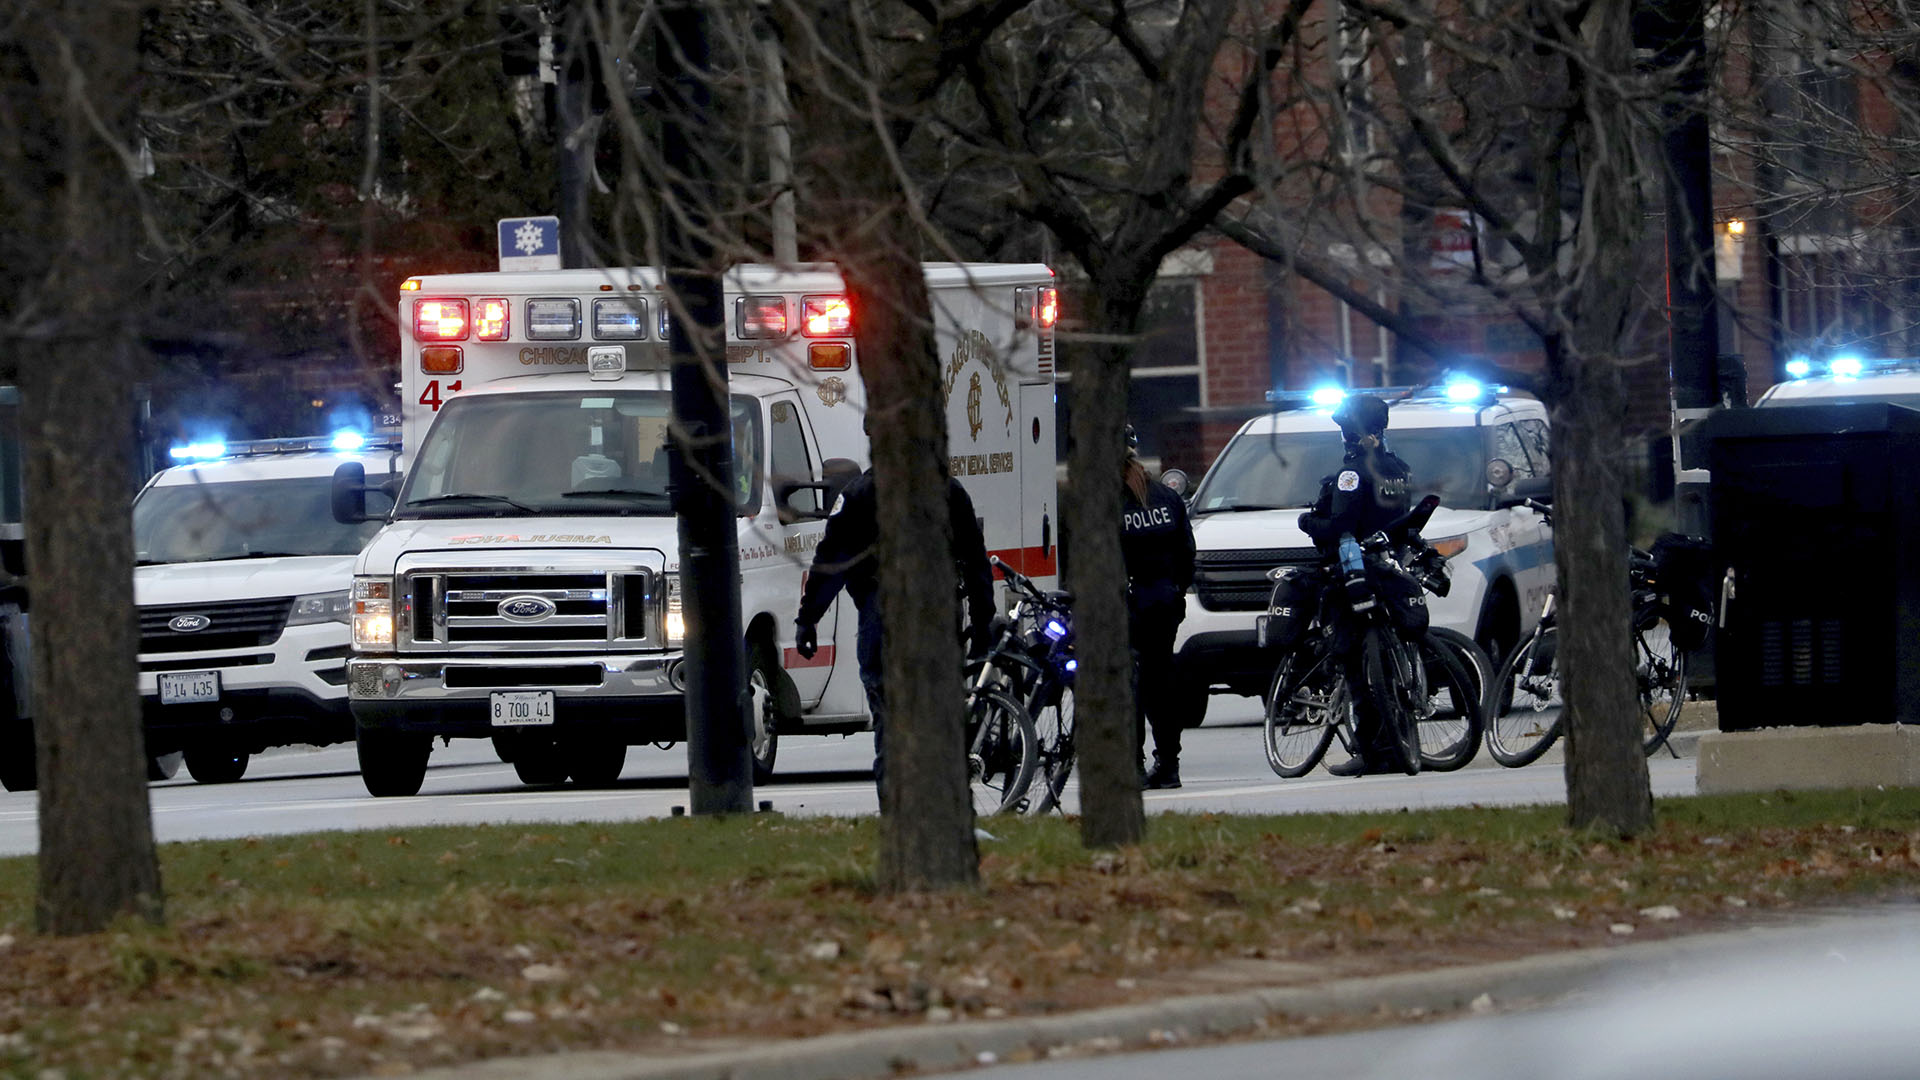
(1463, 390)
(200, 451)
(1328, 396)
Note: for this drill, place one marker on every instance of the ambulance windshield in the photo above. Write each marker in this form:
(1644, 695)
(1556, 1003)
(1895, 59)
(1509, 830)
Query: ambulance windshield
(581, 452)
(1282, 471)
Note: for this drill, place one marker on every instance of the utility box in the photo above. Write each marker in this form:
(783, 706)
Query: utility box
(1816, 528)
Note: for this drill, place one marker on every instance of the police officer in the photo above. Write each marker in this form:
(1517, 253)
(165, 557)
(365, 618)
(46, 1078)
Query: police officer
(1156, 540)
(848, 556)
(1366, 495)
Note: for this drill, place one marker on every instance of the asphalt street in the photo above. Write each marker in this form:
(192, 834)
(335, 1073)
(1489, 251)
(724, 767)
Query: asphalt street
(304, 789)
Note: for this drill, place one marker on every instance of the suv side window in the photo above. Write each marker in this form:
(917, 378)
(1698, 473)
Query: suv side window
(1534, 438)
(1508, 444)
(787, 447)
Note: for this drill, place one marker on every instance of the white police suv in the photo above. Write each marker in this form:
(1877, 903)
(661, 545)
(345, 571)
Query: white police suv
(1478, 448)
(241, 577)
(1846, 378)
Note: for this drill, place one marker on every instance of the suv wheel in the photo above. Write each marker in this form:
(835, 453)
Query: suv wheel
(392, 762)
(217, 764)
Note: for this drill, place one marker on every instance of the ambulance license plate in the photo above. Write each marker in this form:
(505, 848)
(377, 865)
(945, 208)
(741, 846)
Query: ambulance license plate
(188, 687)
(530, 708)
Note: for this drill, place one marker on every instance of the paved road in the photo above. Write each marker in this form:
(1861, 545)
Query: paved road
(305, 789)
(1829, 997)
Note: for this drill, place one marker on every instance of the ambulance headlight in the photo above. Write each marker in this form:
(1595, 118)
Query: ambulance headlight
(321, 608)
(673, 620)
(372, 612)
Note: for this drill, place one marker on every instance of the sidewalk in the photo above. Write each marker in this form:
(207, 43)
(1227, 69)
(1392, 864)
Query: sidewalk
(937, 1047)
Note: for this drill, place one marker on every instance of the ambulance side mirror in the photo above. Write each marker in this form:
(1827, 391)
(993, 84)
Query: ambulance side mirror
(350, 493)
(838, 473)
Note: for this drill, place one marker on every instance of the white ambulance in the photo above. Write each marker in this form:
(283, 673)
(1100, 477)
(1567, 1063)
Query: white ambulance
(525, 586)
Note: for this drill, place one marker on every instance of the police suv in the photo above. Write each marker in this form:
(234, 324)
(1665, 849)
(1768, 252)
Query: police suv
(1845, 379)
(242, 578)
(1478, 448)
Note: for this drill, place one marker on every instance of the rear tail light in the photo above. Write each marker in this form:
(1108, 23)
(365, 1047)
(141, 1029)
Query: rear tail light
(553, 319)
(440, 320)
(491, 320)
(761, 316)
(442, 360)
(826, 316)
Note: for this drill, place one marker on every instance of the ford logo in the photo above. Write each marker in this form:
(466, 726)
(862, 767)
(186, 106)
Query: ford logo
(527, 608)
(188, 624)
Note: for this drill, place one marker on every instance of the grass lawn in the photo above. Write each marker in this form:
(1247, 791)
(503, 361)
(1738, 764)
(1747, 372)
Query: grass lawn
(379, 952)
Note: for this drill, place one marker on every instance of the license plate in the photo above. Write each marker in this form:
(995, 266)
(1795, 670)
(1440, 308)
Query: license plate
(187, 687)
(530, 708)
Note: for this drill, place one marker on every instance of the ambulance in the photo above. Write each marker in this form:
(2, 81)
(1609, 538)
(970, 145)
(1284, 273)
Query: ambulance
(525, 585)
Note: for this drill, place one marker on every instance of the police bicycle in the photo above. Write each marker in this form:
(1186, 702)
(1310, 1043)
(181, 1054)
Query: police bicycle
(1526, 713)
(1424, 685)
(1030, 663)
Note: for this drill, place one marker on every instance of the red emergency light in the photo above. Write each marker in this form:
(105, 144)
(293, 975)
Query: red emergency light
(826, 316)
(492, 320)
(1048, 312)
(440, 320)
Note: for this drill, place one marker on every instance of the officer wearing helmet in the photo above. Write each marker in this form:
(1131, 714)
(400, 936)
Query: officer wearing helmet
(1156, 542)
(1368, 493)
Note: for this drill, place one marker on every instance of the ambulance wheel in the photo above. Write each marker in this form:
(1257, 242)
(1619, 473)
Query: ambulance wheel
(392, 763)
(764, 679)
(217, 764)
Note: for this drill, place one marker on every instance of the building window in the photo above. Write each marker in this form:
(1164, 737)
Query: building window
(1165, 368)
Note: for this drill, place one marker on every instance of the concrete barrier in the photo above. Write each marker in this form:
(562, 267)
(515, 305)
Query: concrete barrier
(1870, 755)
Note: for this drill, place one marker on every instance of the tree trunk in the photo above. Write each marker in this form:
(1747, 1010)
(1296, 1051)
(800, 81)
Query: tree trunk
(860, 213)
(1607, 786)
(927, 841)
(97, 860)
(1111, 813)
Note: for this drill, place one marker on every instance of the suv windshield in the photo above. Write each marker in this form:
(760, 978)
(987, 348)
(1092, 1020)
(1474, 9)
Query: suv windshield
(561, 452)
(1284, 470)
(243, 519)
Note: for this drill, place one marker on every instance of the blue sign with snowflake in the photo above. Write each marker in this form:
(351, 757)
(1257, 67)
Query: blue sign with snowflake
(530, 243)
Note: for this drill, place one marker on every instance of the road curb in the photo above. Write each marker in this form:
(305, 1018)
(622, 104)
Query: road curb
(933, 1048)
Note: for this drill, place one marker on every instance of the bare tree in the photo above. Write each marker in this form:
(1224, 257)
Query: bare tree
(69, 155)
(1101, 119)
(1524, 124)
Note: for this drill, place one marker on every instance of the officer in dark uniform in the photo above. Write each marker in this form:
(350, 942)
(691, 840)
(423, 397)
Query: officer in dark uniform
(1156, 540)
(848, 556)
(1366, 495)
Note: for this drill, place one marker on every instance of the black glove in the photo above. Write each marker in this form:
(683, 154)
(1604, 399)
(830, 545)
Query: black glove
(805, 641)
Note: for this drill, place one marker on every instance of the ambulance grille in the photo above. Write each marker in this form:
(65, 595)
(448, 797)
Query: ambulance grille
(565, 609)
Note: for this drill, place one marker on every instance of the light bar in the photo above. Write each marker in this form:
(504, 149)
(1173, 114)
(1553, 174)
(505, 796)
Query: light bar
(1799, 367)
(1845, 367)
(1328, 396)
(761, 316)
(1463, 390)
(347, 441)
(826, 316)
(440, 320)
(491, 319)
(200, 451)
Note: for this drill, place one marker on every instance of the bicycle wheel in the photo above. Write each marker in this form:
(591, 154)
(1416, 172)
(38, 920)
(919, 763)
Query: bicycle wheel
(1053, 729)
(1001, 751)
(1660, 671)
(1388, 665)
(1529, 683)
(1452, 719)
(1303, 708)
